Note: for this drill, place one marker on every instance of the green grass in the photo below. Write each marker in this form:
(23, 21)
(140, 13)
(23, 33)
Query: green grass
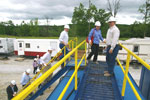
(27, 37)
(80, 39)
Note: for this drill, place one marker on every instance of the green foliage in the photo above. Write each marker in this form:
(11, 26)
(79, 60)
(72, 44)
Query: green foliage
(145, 10)
(84, 18)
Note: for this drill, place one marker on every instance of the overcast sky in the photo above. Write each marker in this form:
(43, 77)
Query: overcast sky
(60, 11)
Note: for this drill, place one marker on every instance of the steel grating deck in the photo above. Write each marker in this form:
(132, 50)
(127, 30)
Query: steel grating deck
(95, 86)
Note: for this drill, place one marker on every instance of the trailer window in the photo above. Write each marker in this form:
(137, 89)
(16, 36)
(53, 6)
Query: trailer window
(20, 45)
(1, 47)
(136, 49)
(0, 41)
(27, 45)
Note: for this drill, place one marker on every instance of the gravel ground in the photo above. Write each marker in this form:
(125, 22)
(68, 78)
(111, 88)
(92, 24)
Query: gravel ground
(12, 70)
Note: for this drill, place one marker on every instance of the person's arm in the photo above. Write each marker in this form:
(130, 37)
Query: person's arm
(90, 35)
(33, 64)
(43, 59)
(61, 37)
(116, 34)
(100, 36)
(9, 93)
(22, 79)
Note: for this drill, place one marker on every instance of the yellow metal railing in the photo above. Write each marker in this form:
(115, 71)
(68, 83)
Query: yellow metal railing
(74, 75)
(71, 45)
(38, 81)
(125, 71)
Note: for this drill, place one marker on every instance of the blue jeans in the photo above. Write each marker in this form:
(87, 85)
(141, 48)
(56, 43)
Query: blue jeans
(111, 58)
(61, 46)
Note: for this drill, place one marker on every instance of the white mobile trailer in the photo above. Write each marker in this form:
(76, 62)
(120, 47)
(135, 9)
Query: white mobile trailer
(141, 47)
(6, 45)
(33, 47)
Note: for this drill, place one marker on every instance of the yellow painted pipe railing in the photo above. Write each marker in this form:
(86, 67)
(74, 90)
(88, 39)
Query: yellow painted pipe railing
(70, 80)
(38, 81)
(71, 43)
(125, 71)
(74, 75)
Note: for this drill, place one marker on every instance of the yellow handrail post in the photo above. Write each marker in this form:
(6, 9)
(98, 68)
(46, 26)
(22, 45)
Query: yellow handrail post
(65, 55)
(85, 53)
(69, 48)
(70, 80)
(126, 73)
(76, 74)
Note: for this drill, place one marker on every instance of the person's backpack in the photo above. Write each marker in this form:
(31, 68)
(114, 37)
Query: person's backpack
(92, 37)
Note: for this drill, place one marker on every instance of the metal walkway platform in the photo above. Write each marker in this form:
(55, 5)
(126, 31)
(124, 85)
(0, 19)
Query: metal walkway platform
(95, 86)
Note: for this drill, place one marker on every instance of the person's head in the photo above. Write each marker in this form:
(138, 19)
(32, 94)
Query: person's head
(35, 59)
(37, 56)
(50, 50)
(112, 21)
(28, 71)
(66, 28)
(12, 83)
(97, 25)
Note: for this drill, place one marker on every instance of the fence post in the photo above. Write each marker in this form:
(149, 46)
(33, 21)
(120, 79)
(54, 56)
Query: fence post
(126, 73)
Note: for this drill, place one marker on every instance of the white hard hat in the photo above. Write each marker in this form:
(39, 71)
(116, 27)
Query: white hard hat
(35, 59)
(67, 26)
(112, 19)
(38, 70)
(97, 23)
(49, 48)
(28, 70)
(13, 82)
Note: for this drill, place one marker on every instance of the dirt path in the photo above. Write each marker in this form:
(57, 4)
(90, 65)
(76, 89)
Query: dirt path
(12, 70)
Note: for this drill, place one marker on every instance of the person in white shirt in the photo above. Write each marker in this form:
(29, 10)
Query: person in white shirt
(44, 61)
(25, 77)
(112, 49)
(63, 38)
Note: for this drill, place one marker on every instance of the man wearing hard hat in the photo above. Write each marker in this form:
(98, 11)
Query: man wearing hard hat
(45, 60)
(12, 90)
(97, 36)
(112, 49)
(63, 38)
(25, 77)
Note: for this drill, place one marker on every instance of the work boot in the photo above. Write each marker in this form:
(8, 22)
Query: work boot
(96, 62)
(107, 74)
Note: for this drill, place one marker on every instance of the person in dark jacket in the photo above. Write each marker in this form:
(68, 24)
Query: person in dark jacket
(12, 90)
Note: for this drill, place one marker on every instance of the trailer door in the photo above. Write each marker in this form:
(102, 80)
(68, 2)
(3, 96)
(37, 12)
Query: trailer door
(20, 48)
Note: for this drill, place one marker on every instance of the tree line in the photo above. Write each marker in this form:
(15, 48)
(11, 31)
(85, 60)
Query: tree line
(83, 20)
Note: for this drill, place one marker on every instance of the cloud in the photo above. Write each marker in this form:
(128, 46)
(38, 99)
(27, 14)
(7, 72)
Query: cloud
(59, 9)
